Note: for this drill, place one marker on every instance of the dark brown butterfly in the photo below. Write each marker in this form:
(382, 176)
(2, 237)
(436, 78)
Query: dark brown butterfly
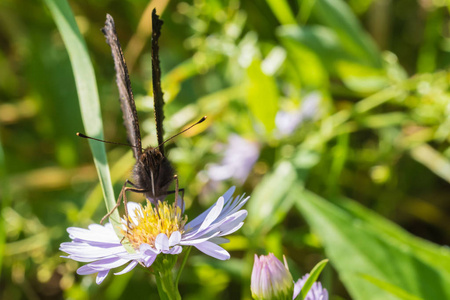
(153, 173)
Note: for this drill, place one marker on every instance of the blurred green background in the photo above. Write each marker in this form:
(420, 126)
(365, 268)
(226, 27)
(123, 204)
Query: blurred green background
(333, 115)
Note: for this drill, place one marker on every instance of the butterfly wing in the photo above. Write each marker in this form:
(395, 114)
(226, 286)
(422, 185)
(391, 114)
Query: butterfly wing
(127, 104)
(156, 79)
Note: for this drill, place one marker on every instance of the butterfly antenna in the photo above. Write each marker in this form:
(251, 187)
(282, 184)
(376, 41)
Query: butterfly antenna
(103, 141)
(198, 122)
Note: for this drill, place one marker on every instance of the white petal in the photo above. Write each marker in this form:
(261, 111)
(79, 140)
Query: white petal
(162, 242)
(175, 238)
(97, 233)
(132, 208)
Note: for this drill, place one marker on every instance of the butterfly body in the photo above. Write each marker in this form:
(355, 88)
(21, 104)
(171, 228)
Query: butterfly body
(153, 174)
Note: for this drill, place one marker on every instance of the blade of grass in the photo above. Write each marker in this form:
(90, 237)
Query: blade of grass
(87, 94)
(394, 290)
(312, 278)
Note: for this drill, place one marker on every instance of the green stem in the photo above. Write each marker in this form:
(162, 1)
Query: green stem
(167, 288)
(162, 294)
(183, 263)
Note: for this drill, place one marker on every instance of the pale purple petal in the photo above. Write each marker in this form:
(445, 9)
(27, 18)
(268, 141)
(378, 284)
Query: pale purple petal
(232, 230)
(194, 241)
(213, 250)
(212, 215)
(233, 221)
(86, 270)
(222, 218)
(149, 260)
(199, 219)
(128, 268)
(101, 276)
(108, 263)
(175, 250)
(219, 240)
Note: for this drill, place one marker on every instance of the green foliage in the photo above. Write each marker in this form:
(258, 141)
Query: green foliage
(364, 83)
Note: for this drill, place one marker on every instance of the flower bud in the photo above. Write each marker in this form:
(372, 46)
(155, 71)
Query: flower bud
(271, 279)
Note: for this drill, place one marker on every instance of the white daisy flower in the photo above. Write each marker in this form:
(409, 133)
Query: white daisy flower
(154, 230)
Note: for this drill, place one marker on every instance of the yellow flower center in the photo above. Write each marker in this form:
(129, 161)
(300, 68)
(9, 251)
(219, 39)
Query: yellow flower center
(151, 221)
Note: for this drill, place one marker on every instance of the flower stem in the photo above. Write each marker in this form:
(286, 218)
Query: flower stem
(167, 287)
(183, 263)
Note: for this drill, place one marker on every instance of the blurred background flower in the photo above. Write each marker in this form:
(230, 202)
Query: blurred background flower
(239, 156)
(288, 121)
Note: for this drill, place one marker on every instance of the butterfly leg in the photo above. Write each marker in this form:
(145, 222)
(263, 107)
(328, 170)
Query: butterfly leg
(176, 192)
(119, 199)
(135, 190)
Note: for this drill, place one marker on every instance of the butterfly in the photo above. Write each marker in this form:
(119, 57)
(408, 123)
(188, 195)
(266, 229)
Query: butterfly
(153, 173)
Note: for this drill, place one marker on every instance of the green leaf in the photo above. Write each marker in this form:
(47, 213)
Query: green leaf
(271, 199)
(87, 94)
(282, 11)
(394, 290)
(357, 241)
(313, 276)
(268, 203)
(262, 95)
(323, 41)
(303, 60)
(329, 49)
(337, 15)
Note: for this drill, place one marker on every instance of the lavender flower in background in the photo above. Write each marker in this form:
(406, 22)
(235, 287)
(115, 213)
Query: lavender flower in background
(239, 158)
(271, 279)
(152, 231)
(315, 293)
(288, 121)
